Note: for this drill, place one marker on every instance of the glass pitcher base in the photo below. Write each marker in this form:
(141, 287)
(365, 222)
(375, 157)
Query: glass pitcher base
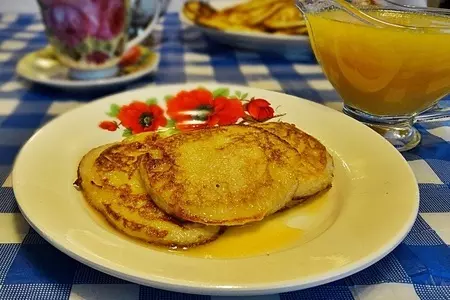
(400, 132)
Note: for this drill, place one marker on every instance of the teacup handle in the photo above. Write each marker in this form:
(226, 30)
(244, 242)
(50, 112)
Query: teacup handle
(436, 113)
(148, 30)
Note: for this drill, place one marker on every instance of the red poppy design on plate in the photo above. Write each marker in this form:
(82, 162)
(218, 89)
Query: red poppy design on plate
(139, 117)
(189, 110)
(260, 109)
(199, 108)
(135, 117)
(108, 125)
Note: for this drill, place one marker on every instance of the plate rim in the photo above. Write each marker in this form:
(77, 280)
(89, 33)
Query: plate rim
(97, 83)
(192, 287)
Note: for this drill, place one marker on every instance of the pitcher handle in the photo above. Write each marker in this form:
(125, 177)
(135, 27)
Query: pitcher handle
(434, 114)
(148, 30)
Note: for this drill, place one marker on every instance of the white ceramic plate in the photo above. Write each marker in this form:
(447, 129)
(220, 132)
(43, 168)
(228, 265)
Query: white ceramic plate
(48, 71)
(372, 205)
(265, 42)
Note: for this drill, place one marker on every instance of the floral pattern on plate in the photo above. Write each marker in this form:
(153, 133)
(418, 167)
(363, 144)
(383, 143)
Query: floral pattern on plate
(189, 110)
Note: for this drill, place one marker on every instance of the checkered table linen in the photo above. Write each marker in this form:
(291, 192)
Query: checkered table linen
(30, 268)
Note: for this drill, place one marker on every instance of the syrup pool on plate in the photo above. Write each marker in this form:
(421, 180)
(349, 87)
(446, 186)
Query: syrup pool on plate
(281, 231)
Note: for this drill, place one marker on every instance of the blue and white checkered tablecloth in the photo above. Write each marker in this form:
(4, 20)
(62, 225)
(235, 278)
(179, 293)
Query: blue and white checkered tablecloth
(30, 268)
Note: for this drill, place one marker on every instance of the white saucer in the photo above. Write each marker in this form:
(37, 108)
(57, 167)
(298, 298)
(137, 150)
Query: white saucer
(42, 67)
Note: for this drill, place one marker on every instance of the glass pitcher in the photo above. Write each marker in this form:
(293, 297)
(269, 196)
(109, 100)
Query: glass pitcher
(390, 63)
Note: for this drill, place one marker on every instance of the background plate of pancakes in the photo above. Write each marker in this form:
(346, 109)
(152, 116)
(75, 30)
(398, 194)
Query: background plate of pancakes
(368, 210)
(261, 25)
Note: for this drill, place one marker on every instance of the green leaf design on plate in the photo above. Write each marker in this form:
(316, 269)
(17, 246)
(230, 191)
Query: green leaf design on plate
(168, 97)
(152, 101)
(170, 123)
(225, 92)
(127, 132)
(113, 110)
(168, 132)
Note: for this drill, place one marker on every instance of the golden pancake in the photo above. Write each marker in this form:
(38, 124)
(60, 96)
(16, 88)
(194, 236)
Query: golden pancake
(257, 16)
(194, 9)
(222, 23)
(270, 16)
(253, 5)
(284, 18)
(109, 179)
(229, 175)
(315, 166)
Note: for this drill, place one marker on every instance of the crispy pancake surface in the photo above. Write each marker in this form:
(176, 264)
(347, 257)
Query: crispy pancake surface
(315, 166)
(228, 175)
(109, 178)
(269, 16)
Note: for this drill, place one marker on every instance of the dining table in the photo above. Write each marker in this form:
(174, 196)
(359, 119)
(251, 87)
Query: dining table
(31, 268)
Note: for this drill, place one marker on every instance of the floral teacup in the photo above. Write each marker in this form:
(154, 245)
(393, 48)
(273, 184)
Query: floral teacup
(90, 36)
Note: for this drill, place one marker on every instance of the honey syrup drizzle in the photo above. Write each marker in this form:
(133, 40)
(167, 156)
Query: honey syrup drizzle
(281, 231)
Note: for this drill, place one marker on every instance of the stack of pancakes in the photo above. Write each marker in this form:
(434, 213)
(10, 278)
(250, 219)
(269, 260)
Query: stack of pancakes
(269, 16)
(186, 189)
(264, 16)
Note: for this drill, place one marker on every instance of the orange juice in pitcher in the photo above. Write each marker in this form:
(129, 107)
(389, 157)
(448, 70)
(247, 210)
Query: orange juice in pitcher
(383, 71)
(389, 64)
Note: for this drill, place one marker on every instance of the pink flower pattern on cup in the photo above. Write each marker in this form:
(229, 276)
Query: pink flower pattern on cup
(72, 21)
(111, 17)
